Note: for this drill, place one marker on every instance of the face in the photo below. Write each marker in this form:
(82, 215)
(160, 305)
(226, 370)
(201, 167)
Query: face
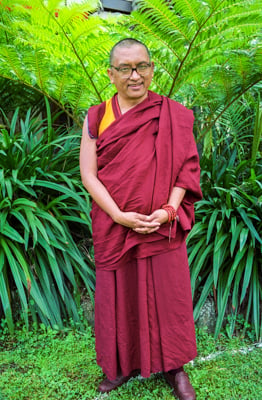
(134, 88)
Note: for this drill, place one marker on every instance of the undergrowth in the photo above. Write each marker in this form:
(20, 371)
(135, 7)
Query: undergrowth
(47, 364)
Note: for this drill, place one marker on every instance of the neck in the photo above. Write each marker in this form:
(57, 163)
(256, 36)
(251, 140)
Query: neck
(126, 104)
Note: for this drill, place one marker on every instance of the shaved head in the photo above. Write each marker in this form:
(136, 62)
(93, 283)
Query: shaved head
(128, 42)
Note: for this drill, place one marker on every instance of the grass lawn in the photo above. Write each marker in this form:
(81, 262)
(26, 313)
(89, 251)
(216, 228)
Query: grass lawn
(43, 364)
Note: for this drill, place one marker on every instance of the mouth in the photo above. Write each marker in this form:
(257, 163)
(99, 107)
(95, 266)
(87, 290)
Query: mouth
(135, 85)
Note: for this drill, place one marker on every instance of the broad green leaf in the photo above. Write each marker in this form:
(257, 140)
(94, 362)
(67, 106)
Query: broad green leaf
(16, 274)
(31, 221)
(9, 188)
(24, 202)
(220, 250)
(48, 248)
(204, 294)
(20, 219)
(57, 274)
(256, 301)
(250, 225)
(59, 188)
(197, 229)
(10, 232)
(4, 215)
(239, 257)
(236, 286)
(6, 303)
(40, 227)
(67, 268)
(243, 238)
(2, 259)
(248, 272)
(26, 188)
(49, 217)
(21, 258)
(200, 261)
(235, 237)
(194, 249)
(211, 224)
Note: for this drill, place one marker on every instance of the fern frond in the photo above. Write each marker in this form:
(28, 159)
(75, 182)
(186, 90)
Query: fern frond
(58, 55)
(211, 49)
(206, 53)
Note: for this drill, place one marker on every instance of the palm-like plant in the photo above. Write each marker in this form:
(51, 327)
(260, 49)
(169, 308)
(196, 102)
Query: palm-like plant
(42, 208)
(226, 242)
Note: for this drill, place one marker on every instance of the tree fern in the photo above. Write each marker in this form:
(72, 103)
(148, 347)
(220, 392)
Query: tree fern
(207, 51)
(207, 54)
(61, 57)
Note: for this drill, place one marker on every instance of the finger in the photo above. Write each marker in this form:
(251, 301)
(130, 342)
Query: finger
(144, 218)
(153, 229)
(141, 230)
(151, 224)
(145, 231)
(147, 227)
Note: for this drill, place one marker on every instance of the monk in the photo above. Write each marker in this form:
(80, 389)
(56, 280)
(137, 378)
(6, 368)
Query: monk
(139, 163)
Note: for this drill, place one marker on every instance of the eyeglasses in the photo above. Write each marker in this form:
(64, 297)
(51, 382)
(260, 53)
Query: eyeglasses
(126, 71)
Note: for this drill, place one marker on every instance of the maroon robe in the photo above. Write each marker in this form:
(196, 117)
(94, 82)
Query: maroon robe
(143, 315)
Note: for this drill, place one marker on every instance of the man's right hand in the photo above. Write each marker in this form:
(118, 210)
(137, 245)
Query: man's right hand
(140, 223)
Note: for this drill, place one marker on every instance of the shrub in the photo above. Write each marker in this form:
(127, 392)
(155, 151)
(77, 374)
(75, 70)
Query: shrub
(225, 243)
(43, 209)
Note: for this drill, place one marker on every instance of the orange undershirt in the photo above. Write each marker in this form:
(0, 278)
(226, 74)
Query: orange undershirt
(108, 117)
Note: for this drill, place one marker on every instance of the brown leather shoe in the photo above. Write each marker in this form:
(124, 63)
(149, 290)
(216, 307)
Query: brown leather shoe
(106, 385)
(181, 385)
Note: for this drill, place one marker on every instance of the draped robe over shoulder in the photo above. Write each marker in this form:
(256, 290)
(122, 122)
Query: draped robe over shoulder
(141, 156)
(143, 301)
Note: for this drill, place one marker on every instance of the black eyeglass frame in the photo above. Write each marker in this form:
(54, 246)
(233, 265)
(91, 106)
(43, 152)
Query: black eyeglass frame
(118, 69)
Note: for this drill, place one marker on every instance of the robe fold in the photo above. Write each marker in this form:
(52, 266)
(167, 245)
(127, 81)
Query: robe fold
(142, 155)
(143, 303)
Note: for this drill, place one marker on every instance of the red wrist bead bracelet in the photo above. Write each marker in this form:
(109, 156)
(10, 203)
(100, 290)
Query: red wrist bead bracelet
(170, 211)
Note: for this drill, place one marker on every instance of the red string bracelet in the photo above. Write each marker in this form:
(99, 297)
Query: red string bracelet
(171, 212)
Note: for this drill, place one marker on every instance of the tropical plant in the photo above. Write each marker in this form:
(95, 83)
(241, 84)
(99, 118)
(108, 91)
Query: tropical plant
(63, 55)
(43, 211)
(226, 242)
(207, 54)
(14, 94)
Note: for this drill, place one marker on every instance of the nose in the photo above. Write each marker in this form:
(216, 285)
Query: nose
(134, 71)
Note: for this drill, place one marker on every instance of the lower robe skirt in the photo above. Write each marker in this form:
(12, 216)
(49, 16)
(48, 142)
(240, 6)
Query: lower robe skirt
(144, 315)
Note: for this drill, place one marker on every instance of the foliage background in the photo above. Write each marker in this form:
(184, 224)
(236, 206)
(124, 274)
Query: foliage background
(209, 57)
(43, 210)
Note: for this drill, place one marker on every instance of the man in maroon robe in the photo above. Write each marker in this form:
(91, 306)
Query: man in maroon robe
(139, 162)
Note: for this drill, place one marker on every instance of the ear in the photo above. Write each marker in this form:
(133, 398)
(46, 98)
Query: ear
(153, 67)
(111, 75)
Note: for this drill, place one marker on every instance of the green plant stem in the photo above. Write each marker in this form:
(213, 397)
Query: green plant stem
(46, 94)
(212, 123)
(189, 50)
(75, 52)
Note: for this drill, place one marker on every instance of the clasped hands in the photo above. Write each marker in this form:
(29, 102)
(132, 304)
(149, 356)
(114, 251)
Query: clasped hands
(142, 223)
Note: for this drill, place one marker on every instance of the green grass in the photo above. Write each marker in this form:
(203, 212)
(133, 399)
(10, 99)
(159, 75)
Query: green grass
(44, 364)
